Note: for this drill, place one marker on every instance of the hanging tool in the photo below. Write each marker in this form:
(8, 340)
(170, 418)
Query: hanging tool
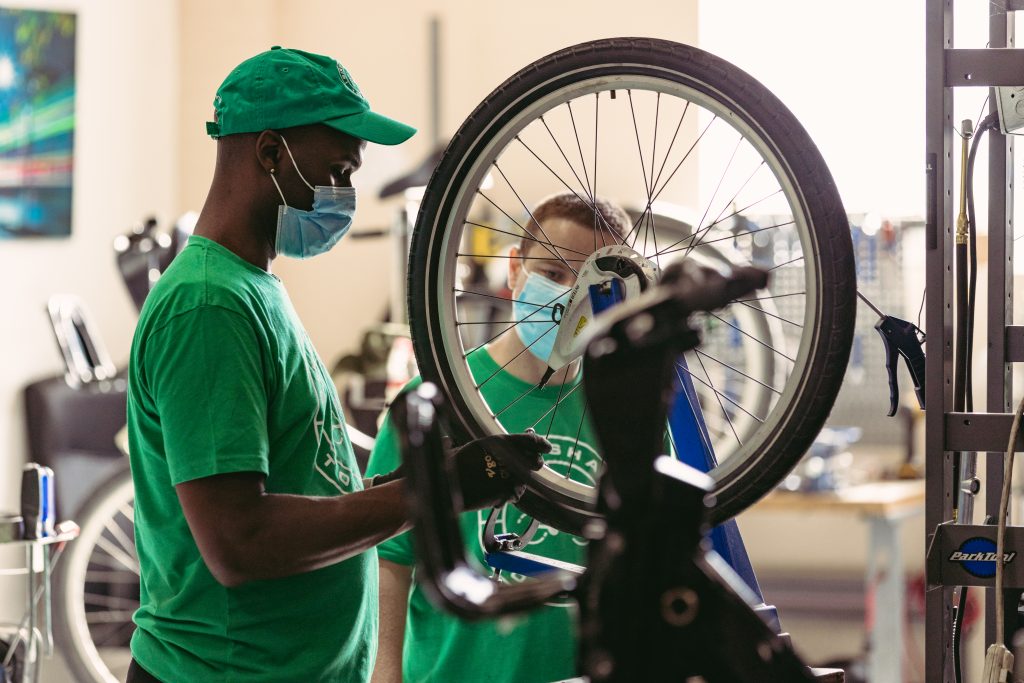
(900, 338)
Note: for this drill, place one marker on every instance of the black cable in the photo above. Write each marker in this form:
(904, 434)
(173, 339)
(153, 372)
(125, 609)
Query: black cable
(985, 125)
(964, 376)
(920, 309)
(960, 328)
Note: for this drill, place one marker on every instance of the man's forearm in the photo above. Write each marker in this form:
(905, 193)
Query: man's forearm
(281, 535)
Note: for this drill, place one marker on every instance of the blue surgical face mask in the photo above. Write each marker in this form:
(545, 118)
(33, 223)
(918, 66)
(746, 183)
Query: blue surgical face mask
(534, 311)
(303, 234)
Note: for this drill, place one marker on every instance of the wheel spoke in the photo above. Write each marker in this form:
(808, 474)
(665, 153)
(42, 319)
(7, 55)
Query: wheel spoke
(517, 399)
(593, 192)
(544, 243)
(539, 307)
(722, 395)
(561, 387)
(554, 407)
(527, 348)
(496, 322)
(129, 562)
(499, 298)
(750, 336)
(525, 258)
(117, 630)
(653, 231)
(686, 156)
(579, 147)
(735, 213)
(586, 200)
(787, 263)
(100, 600)
(584, 186)
(525, 237)
(576, 443)
(654, 144)
(767, 298)
(718, 187)
(643, 169)
(731, 202)
(771, 315)
(718, 396)
(671, 144)
(737, 371)
(128, 545)
(104, 560)
(547, 245)
(745, 233)
(114, 575)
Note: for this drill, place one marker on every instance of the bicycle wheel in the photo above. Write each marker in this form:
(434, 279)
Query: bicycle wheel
(96, 585)
(646, 123)
(13, 670)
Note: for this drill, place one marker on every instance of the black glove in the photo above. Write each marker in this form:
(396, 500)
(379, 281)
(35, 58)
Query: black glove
(490, 470)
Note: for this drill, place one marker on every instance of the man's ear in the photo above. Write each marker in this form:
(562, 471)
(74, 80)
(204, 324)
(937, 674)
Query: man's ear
(515, 266)
(269, 150)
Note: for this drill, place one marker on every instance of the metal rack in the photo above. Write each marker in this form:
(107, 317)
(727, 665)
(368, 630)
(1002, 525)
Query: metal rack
(35, 633)
(948, 431)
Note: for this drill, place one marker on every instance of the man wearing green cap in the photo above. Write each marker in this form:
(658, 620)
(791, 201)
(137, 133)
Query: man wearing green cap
(254, 531)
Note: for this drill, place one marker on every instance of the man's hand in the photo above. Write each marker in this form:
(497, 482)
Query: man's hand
(490, 470)
(487, 468)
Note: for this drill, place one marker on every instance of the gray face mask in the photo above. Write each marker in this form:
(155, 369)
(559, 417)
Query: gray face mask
(304, 234)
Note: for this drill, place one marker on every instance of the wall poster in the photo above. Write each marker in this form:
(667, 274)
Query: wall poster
(37, 122)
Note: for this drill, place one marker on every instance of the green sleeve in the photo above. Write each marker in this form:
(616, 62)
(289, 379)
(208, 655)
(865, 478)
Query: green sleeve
(205, 372)
(384, 458)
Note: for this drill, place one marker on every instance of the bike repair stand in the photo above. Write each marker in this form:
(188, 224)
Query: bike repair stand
(693, 447)
(689, 434)
(504, 552)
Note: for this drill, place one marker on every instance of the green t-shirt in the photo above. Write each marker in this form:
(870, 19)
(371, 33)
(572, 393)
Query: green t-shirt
(223, 378)
(540, 646)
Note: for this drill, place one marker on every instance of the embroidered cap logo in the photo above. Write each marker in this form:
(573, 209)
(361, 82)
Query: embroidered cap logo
(347, 80)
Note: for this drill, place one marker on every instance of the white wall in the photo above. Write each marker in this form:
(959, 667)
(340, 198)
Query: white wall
(126, 165)
(207, 52)
(852, 74)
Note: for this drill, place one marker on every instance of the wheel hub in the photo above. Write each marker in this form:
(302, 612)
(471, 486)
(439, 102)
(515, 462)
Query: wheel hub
(609, 276)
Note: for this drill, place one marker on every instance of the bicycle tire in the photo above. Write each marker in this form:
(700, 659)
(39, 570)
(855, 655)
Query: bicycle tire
(72, 576)
(814, 194)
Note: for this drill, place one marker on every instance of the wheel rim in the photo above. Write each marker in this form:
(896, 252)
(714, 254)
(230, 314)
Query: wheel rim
(101, 583)
(463, 198)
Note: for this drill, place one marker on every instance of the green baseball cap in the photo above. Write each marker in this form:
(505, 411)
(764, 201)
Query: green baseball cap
(282, 88)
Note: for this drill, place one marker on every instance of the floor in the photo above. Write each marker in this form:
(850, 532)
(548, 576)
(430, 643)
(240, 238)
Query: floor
(819, 640)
